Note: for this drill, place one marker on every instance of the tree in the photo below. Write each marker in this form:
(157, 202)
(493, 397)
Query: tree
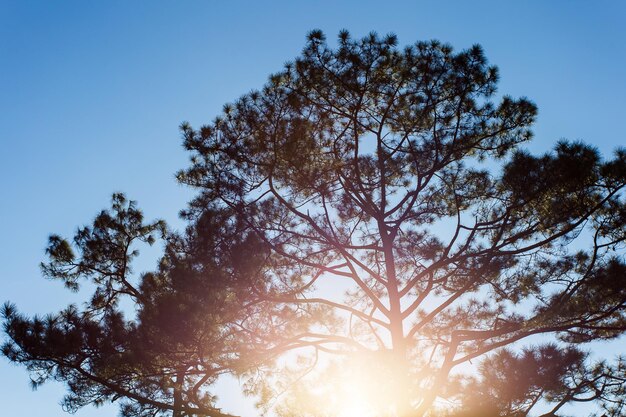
(392, 174)
(181, 335)
(394, 170)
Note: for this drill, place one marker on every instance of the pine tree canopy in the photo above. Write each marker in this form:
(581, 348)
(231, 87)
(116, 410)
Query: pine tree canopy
(370, 215)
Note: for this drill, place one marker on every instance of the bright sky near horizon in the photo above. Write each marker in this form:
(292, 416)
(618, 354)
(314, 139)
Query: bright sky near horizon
(92, 93)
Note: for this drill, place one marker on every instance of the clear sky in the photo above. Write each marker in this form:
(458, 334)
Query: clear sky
(92, 93)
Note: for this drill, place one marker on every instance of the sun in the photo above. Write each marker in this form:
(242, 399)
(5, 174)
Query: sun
(354, 401)
(355, 410)
(351, 388)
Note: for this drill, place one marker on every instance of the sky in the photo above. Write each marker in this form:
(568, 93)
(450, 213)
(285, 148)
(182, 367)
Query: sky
(92, 94)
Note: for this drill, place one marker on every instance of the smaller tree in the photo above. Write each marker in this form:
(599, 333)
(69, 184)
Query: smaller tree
(156, 342)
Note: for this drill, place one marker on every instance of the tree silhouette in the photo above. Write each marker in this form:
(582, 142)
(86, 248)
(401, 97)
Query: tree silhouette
(395, 176)
(183, 333)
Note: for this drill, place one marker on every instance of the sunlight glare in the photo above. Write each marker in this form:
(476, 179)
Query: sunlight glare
(354, 388)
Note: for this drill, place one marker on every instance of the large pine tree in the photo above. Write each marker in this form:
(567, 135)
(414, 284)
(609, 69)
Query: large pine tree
(397, 176)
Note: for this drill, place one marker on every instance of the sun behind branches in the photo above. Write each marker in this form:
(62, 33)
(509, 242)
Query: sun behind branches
(360, 386)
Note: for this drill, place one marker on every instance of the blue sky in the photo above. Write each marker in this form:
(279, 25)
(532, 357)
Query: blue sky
(92, 93)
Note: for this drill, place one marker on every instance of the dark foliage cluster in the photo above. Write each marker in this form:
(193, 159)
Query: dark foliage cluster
(180, 335)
